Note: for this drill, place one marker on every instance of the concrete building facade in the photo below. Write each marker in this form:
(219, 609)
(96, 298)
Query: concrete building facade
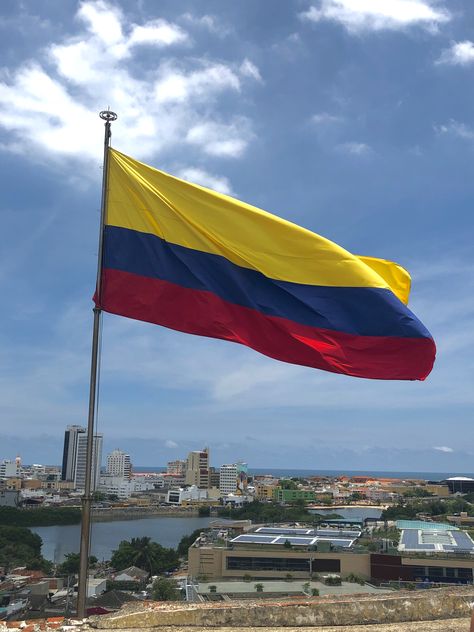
(197, 469)
(70, 452)
(119, 464)
(80, 461)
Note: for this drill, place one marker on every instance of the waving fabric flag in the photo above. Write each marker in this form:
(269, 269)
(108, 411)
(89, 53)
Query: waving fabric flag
(188, 258)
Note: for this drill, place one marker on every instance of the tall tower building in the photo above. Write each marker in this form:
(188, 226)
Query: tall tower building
(197, 469)
(233, 478)
(118, 464)
(69, 452)
(81, 455)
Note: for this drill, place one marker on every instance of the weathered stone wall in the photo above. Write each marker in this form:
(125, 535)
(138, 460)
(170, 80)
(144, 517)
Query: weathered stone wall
(325, 611)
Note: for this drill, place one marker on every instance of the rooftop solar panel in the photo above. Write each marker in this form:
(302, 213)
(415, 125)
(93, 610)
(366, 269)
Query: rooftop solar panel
(284, 530)
(297, 541)
(463, 541)
(254, 538)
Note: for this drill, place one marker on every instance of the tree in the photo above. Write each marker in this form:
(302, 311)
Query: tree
(21, 547)
(70, 566)
(165, 590)
(145, 554)
(314, 592)
(259, 587)
(187, 540)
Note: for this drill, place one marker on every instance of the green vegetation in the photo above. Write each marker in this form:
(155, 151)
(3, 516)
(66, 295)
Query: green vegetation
(20, 547)
(145, 554)
(333, 580)
(314, 592)
(259, 587)
(417, 492)
(355, 579)
(70, 566)
(247, 577)
(165, 590)
(408, 510)
(39, 517)
(187, 540)
(272, 512)
(212, 588)
(204, 512)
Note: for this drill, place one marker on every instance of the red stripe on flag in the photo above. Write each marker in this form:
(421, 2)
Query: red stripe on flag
(204, 314)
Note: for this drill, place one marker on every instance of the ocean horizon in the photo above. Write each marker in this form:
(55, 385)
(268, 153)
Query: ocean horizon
(290, 472)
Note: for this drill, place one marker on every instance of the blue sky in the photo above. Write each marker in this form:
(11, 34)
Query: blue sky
(353, 118)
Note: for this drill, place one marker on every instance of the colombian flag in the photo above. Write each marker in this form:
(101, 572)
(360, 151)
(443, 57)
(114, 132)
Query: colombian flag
(194, 260)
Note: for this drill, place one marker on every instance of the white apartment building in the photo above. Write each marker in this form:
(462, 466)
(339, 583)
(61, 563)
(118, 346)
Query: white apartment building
(228, 479)
(123, 487)
(118, 464)
(80, 461)
(190, 494)
(10, 469)
(233, 477)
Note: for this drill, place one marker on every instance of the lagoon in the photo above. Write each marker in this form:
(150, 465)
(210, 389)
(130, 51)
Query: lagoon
(106, 536)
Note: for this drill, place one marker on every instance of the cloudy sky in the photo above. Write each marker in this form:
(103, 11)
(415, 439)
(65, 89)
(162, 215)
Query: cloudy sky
(353, 118)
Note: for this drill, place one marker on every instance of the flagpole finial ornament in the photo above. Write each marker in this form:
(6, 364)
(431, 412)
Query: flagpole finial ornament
(108, 115)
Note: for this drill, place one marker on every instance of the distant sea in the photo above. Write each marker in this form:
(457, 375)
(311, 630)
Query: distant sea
(282, 472)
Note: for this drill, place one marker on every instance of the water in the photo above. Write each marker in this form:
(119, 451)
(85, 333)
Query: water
(352, 513)
(284, 472)
(106, 536)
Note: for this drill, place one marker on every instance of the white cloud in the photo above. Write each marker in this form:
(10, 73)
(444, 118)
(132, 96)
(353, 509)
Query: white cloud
(356, 149)
(205, 179)
(443, 448)
(170, 444)
(455, 128)
(217, 139)
(177, 86)
(249, 69)
(376, 15)
(460, 54)
(323, 118)
(208, 22)
(50, 103)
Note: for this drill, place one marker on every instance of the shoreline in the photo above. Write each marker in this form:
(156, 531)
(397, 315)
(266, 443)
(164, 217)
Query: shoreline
(331, 507)
(138, 513)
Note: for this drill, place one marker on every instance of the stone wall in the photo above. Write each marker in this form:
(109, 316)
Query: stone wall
(324, 611)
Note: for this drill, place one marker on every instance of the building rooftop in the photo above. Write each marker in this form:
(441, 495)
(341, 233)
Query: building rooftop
(300, 536)
(431, 541)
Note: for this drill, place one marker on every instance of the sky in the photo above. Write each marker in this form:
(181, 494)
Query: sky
(353, 118)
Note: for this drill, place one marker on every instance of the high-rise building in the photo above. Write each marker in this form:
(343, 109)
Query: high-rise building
(233, 478)
(118, 464)
(197, 469)
(81, 455)
(69, 452)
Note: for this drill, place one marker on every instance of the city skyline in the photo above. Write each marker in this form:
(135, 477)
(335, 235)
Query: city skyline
(354, 123)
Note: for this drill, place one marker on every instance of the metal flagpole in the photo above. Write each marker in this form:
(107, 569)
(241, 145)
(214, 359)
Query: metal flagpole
(108, 117)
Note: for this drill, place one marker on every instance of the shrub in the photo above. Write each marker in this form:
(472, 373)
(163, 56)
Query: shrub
(247, 578)
(259, 587)
(314, 592)
(332, 580)
(288, 577)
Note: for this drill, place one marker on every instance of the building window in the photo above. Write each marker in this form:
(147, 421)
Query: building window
(282, 564)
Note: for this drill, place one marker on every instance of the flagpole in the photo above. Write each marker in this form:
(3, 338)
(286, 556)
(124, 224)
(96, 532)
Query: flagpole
(108, 117)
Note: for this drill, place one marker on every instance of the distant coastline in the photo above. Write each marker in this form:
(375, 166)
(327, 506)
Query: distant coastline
(290, 473)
